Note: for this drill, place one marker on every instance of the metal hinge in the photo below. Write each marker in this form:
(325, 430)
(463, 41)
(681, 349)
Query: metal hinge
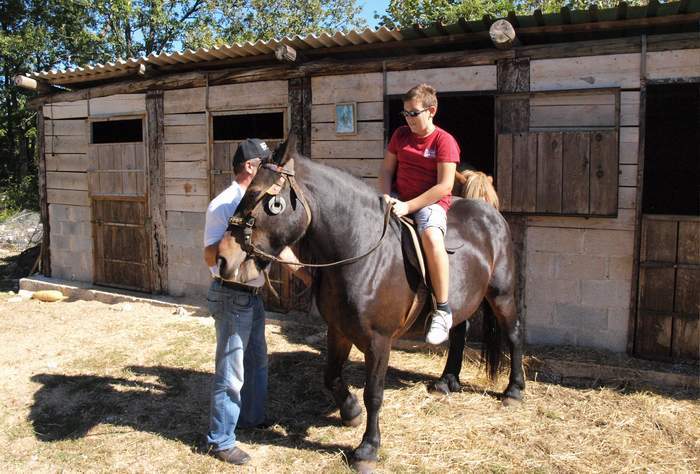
(215, 172)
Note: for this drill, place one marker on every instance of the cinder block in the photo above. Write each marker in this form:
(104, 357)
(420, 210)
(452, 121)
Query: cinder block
(554, 239)
(176, 287)
(608, 340)
(58, 212)
(77, 229)
(605, 293)
(580, 267)
(81, 245)
(540, 264)
(542, 290)
(182, 237)
(579, 316)
(618, 320)
(620, 268)
(549, 335)
(608, 243)
(79, 213)
(539, 314)
(626, 198)
(174, 220)
(61, 242)
(193, 220)
(192, 256)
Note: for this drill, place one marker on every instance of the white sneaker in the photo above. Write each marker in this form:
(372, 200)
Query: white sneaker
(440, 324)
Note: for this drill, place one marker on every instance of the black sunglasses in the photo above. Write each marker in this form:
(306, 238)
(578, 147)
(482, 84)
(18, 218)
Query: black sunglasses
(413, 113)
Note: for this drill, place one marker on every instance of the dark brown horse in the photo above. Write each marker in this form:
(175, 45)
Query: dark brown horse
(335, 216)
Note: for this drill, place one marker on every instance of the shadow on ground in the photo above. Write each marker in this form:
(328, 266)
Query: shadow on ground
(174, 402)
(14, 267)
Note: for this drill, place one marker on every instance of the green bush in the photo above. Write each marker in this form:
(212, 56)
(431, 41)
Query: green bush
(17, 194)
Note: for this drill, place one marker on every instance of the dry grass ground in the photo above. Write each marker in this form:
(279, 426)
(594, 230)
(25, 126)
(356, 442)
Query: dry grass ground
(92, 387)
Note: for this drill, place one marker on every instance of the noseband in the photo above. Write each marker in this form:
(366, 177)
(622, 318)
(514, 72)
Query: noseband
(247, 222)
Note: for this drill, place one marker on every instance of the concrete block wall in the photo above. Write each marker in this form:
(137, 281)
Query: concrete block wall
(187, 273)
(578, 285)
(71, 242)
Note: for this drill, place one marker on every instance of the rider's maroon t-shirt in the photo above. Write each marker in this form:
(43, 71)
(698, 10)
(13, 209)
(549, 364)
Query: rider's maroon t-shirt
(416, 170)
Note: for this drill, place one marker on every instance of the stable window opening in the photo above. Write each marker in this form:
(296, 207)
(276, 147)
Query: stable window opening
(672, 150)
(468, 118)
(117, 131)
(266, 126)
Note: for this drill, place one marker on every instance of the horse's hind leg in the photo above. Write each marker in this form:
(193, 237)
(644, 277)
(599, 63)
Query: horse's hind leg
(449, 380)
(338, 351)
(507, 318)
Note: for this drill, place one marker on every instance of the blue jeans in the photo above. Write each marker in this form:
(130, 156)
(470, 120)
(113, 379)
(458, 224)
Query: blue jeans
(239, 394)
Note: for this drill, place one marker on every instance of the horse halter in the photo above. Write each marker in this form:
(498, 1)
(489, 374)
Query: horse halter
(276, 205)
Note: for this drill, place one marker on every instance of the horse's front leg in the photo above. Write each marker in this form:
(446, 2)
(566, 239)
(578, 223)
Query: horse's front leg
(449, 380)
(338, 349)
(376, 362)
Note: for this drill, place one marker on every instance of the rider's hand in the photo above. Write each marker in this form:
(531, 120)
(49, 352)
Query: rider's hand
(400, 208)
(387, 198)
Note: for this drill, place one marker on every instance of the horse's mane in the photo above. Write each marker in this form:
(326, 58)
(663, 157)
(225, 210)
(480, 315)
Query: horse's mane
(479, 186)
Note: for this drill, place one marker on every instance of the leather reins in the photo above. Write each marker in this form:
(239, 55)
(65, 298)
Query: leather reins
(247, 222)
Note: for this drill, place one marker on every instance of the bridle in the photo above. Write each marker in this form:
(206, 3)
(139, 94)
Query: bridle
(247, 222)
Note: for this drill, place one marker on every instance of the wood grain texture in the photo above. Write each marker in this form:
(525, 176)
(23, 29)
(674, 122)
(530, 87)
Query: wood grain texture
(575, 171)
(451, 79)
(549, 172)
(604, 172)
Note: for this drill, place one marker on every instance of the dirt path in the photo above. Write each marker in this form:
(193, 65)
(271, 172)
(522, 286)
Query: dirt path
(92, 387)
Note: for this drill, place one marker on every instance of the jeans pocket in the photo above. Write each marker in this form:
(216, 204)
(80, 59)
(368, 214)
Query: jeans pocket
(216, 303)
(242, 300)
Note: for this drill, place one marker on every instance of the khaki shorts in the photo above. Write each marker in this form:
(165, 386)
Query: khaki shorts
(431, 216)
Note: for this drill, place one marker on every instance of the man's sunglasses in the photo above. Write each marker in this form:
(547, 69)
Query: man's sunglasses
(412, 113)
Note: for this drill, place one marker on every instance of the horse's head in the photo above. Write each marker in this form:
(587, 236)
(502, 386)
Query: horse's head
(272, 214)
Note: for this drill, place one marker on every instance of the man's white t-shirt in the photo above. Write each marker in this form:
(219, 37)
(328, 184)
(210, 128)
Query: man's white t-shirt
(219, 210)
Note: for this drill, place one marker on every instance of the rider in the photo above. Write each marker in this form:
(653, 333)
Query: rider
(239, 392)
(419, 165)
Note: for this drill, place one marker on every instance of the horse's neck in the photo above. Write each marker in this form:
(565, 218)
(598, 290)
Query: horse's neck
(345, 221)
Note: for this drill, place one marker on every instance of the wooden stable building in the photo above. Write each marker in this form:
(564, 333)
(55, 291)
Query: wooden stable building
(587, 119)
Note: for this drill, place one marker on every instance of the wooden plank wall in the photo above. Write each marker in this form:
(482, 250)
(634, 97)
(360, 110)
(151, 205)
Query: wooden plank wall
(360, 154)
(454, 79)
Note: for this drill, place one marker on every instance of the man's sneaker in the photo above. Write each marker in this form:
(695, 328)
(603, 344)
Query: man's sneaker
(234, 455)
(440, 324)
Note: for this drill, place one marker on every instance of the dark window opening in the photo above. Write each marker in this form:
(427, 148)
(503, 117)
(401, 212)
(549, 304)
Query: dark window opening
(117, 131)
(672, 150)
(468, 118)
(239, 127)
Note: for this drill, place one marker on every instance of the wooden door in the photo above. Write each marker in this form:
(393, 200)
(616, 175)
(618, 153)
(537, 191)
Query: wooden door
(122, 254)
(117, 182)
(668, 309)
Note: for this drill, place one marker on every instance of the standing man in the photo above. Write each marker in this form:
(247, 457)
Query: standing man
(239, 393)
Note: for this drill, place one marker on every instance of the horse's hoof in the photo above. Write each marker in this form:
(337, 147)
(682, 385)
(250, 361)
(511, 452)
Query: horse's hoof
(439, 388)
(453, 383)
(364, 467)
(353, 422)
(511, 402)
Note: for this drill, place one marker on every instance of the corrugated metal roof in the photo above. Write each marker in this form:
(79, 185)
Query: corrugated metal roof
(368, 36)
(247, 49)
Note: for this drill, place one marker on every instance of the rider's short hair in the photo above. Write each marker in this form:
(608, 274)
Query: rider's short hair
(423, 92)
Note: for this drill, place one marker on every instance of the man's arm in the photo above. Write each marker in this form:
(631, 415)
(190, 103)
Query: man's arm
(288, 255)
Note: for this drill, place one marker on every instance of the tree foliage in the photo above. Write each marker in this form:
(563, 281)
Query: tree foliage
(406, 13)
(44, 34)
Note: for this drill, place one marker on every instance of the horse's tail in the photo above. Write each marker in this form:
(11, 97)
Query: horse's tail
(479, 186)
(492, 340)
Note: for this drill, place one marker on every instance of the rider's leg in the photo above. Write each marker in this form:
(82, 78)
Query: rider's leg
(432, 226)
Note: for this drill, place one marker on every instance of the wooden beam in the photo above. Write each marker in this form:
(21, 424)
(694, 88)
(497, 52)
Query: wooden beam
(26, 83)
(156, 191)
(43, 199)
(503, 35)
(538, 17)
(285, 53)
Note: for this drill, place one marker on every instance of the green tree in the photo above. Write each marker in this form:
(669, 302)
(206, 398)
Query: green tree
(406, 13)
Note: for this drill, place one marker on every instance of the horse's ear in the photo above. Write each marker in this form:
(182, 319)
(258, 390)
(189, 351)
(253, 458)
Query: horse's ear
(286, 151)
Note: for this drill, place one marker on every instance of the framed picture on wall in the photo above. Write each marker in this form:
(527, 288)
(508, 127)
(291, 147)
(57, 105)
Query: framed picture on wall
(345, 118)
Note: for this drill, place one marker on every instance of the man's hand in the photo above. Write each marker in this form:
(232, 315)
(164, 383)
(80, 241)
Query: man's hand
(214, 269)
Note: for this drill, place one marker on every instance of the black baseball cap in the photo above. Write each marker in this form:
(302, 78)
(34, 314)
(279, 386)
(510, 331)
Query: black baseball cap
(250, 149)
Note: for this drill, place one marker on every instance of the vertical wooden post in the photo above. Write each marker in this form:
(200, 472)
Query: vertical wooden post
(156, 191)
(638, 215)
(43, 200)
(513, 115)
(300, 112)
